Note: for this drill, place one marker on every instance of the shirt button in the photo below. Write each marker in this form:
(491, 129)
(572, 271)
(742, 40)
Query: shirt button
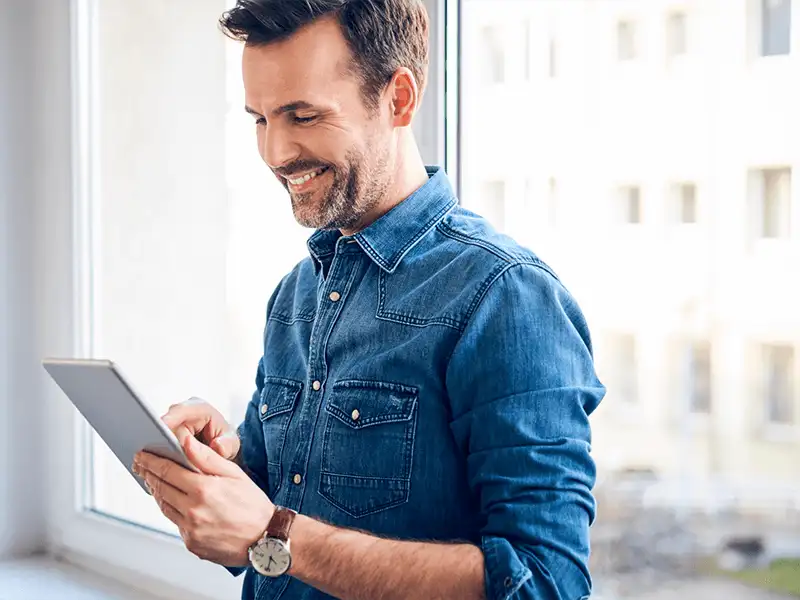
(298, 479)
(335, 296)
(355, 415)
(264, 409)
(316, 385)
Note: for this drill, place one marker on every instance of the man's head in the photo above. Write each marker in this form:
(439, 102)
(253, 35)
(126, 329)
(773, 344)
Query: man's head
(332, 84)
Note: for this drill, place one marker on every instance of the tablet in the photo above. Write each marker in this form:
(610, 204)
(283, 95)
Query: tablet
(122, 419)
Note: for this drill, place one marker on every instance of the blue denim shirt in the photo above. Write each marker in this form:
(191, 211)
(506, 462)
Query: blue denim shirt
(430, 379)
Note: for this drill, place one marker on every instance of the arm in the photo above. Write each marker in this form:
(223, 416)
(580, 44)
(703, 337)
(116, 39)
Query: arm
(384, 569)
(522, 384)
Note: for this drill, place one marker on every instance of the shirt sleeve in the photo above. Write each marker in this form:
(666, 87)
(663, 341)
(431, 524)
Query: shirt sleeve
(522, 385)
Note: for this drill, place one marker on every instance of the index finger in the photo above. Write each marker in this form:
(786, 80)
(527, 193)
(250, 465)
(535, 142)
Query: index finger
(187, 414)
(168, 471)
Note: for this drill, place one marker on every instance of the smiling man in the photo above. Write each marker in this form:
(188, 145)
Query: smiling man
(420, 423)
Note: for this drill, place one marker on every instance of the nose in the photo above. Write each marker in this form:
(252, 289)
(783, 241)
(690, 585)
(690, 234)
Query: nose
(277, 146)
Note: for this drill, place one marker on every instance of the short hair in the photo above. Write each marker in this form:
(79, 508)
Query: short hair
(383, 35)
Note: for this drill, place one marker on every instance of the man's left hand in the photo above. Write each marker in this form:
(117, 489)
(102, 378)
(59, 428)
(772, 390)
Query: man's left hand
(220, 512)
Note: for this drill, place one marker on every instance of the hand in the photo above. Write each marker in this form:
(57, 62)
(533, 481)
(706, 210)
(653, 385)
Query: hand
(220, 512)
(195, 416)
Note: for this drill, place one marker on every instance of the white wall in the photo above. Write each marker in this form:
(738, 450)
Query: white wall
(21, 462)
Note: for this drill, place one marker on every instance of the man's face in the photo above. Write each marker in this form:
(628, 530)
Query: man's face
(325, 146)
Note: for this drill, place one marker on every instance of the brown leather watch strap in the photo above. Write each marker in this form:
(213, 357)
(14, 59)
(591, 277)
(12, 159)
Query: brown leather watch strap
(281, 523)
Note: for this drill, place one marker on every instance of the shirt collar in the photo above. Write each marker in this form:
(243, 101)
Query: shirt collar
(392, 236)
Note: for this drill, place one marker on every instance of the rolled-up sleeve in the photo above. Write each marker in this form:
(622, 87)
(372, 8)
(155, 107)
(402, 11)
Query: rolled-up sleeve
(522, 385)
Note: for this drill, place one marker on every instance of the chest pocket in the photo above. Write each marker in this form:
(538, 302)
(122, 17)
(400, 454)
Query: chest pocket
(276, 406)
(368, 446)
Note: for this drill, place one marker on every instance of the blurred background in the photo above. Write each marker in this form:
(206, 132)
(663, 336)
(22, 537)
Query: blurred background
(645, 149)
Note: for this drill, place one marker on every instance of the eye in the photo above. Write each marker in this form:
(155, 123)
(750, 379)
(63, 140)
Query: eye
(303, 120)
(261, 121)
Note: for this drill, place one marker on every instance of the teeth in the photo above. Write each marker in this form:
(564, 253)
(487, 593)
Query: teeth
(304, 178)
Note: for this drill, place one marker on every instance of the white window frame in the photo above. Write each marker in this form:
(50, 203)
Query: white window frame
(142, 558)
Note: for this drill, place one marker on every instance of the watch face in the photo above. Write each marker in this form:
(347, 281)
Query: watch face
(271, 557)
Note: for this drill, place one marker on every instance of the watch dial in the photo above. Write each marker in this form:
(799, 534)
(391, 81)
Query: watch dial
(271, 558)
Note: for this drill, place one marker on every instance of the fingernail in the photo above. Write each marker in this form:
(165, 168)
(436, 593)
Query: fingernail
(135, 468)
(149, 489)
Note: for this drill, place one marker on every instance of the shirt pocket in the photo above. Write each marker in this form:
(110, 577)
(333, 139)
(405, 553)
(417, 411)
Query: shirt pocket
(275, 409)
(368, 446)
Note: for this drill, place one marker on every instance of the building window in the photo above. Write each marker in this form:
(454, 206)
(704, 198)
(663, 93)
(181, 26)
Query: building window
(492, 203)
(778, 383)
(773, 203)
(776, 28)
(626, 40)
(685, 195)
(630, 201)
(699, 377)
(494, 55)
(552, 58)
(676, 35)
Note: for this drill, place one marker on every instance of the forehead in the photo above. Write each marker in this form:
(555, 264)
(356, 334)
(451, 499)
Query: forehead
(312, 65)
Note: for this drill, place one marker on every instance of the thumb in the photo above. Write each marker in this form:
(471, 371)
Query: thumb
(207, 460)
(227, 444)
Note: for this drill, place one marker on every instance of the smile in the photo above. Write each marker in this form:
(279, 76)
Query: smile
(303, 179)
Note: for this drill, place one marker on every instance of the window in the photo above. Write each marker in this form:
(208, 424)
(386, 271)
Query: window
(778, 383)
(772, 199)
(494, 55)
(180, 229)
(630, 199)
(685, 196)
(676, 35)
(776, 27)
(699, 377)
(626, 41)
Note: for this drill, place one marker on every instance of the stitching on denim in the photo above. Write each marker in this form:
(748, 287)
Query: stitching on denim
(422, 232)
(287, 320)
(385, 315)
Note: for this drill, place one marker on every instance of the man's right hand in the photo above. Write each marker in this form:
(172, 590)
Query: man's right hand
(199, 419)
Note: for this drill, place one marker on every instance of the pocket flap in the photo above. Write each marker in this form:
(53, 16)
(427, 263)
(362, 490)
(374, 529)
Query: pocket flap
(361, 404)
(278, 396)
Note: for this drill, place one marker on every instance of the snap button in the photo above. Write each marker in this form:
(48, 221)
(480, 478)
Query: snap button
(297, 479)
(316, 385)
(355, 415)
(264, 409)
(335, 296)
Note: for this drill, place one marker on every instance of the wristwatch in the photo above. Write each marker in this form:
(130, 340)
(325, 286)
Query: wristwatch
(271, 555)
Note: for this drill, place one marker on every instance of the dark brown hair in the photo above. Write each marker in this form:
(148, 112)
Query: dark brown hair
(383, 35)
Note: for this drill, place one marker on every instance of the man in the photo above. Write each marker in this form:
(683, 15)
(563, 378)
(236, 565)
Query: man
(420, 425)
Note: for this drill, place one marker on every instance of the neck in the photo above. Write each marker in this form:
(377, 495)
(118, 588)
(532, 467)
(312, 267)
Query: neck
(409, 175)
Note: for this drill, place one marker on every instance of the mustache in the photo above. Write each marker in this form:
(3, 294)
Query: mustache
(299, 166)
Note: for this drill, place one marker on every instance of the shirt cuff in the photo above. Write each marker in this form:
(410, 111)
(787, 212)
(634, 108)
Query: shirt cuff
(504, 571)
(235, 571)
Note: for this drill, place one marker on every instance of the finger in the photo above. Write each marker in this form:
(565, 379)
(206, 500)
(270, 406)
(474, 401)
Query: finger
(170, 512)
(208, 461)
(192, 413)
(166, 492)
(167, 470)
(227, 444)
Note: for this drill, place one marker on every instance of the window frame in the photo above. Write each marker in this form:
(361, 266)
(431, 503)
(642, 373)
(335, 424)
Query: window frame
(146, 559)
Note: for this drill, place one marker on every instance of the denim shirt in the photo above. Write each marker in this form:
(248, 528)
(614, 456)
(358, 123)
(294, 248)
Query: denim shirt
(430, 379)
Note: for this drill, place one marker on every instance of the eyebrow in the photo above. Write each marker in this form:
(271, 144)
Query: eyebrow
(291, 107)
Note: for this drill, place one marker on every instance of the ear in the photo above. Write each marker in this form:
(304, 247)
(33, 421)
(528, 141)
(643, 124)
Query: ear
(405, 97)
